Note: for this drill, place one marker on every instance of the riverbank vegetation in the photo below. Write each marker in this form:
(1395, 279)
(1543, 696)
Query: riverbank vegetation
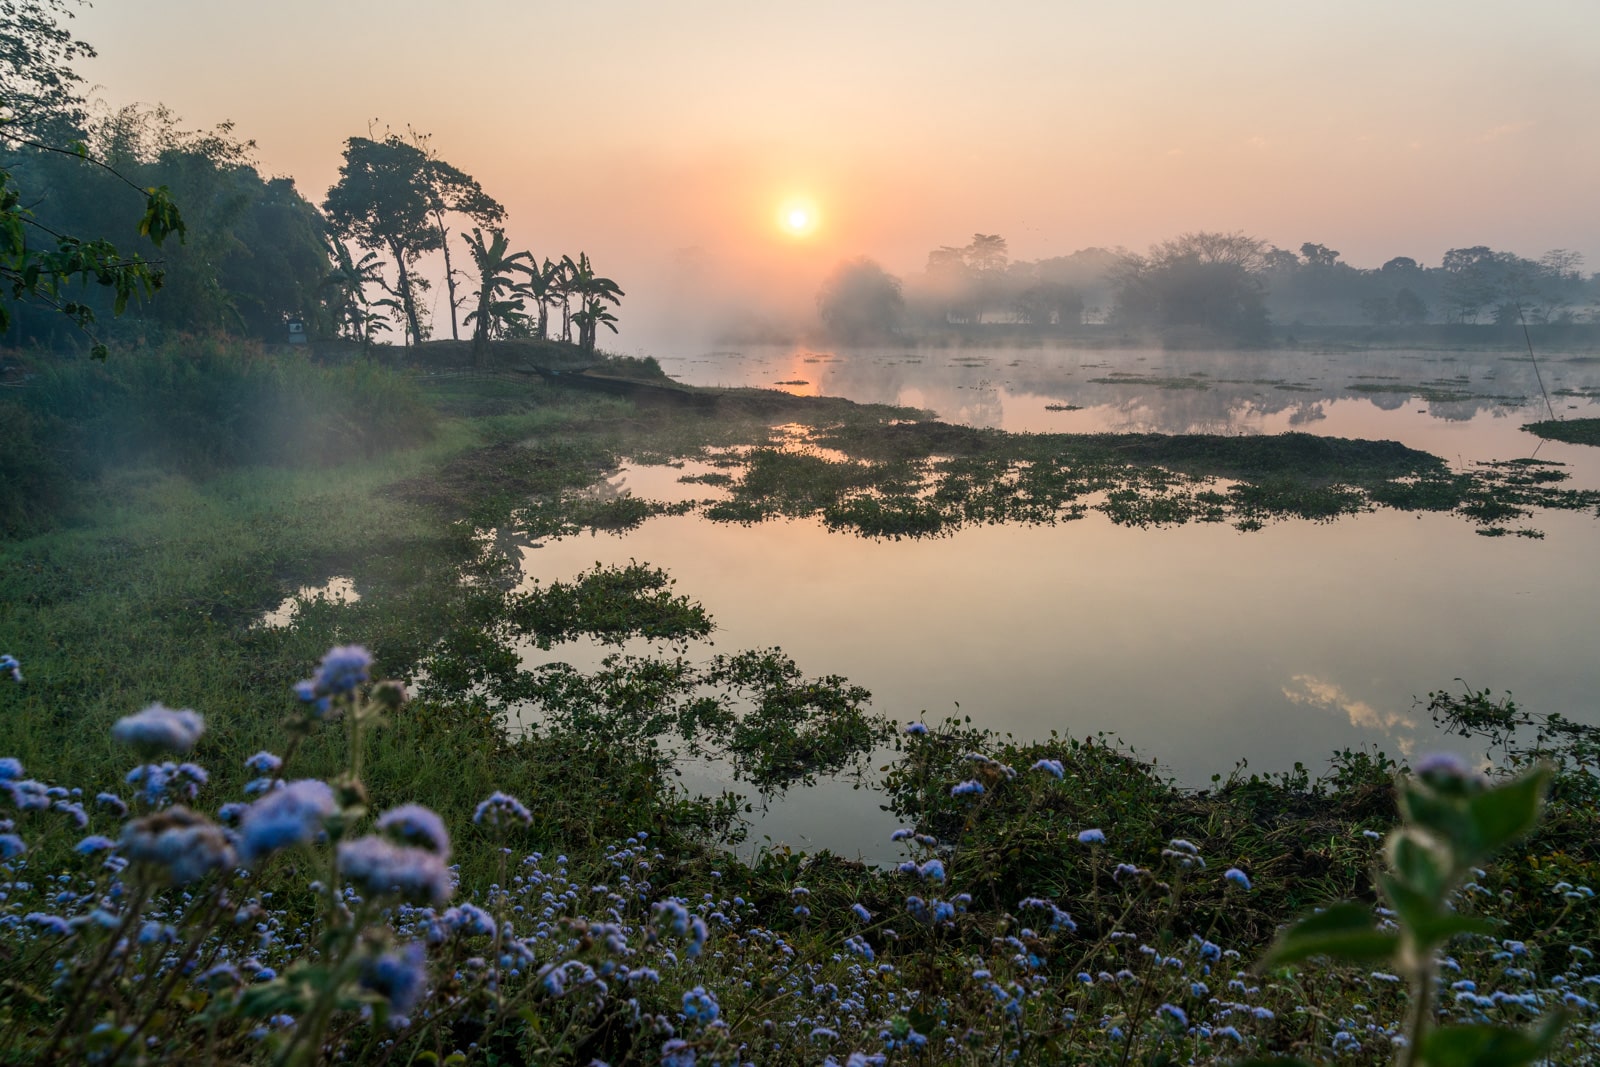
(1010, 928)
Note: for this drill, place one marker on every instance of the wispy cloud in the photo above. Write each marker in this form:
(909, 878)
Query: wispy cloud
(1310, 691)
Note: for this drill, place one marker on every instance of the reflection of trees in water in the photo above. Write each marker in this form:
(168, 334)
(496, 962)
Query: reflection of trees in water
(965, 385)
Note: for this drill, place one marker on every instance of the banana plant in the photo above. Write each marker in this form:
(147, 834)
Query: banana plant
(497, 277)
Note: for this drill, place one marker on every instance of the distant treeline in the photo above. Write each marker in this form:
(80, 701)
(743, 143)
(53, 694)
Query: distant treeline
(1226, 284)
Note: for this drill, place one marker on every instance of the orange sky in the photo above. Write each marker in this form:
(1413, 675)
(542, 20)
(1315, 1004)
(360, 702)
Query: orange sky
(636, 130)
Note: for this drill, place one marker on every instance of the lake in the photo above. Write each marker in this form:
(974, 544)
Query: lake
(1197, 645)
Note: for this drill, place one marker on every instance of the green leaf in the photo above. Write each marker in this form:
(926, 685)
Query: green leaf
(1491, 1046)
(1418, 866)
(1445, 816)
(1345, 931)
(1503, 814)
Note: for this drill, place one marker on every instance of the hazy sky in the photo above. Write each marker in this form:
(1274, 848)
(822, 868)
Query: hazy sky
(634, 130)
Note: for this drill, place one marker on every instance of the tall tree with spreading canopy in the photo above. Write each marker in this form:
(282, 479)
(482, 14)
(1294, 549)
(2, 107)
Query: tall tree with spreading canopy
(382, 203)
(1207, 280)
(451, 191)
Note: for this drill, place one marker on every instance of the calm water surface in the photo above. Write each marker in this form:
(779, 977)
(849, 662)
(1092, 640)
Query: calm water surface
(1197, 645)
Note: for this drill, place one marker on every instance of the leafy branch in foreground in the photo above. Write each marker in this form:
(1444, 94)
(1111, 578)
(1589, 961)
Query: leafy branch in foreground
(30, 272)
(1453, 820)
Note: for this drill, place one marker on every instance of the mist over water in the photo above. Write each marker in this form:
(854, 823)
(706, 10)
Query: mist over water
(1197, 645)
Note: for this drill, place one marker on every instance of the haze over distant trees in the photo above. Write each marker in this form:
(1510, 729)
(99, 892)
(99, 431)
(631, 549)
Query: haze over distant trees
(860, 301)
(1231, 287)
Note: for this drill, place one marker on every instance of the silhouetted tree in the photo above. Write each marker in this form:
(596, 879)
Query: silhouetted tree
(451, 191)
(497, 276)
(382, 202)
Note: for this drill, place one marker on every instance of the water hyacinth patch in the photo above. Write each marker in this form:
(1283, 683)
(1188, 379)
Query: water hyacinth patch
(159, 728)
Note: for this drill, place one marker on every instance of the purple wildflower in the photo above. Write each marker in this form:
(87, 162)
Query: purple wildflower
(413, 824)
(263, 763)
(1092, 836)
(501, 808)
(700, 1006)
(1446, 769)
(177, 845)
(159, 728)
(342, 670)
(381, 867)
(289, 816)
(50, 924)
(1237, 877)
(1051, 767)
(399, 977)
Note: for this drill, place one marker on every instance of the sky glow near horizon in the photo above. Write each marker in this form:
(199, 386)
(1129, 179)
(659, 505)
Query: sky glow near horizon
(667, 139)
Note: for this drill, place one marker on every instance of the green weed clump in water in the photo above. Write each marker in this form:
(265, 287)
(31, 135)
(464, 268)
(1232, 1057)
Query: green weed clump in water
(928, 479)
(1572, 431)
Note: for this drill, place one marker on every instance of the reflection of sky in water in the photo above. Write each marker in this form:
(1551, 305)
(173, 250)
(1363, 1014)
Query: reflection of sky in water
(1197, 645)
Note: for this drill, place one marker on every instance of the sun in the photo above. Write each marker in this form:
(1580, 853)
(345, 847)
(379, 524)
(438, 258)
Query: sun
(797, 218)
